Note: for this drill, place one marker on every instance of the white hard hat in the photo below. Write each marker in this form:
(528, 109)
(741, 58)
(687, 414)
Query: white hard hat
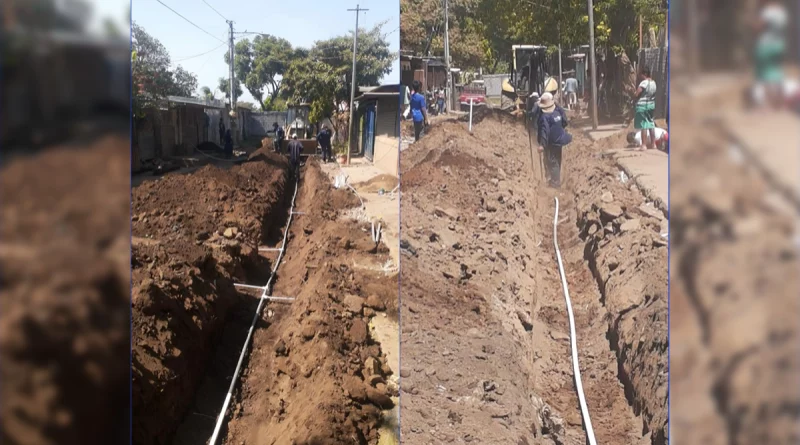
(294, 135)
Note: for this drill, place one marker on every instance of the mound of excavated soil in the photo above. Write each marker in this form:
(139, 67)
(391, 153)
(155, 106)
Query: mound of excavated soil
(193, 236)
(485, 334)
(64, 301)
(315, 374)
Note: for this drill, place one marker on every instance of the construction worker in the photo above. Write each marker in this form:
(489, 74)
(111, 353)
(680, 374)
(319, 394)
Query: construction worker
(228, 144)
(295, 148)
(221, 131)
(553, 137)
(324, 141)
(280, 135)
(661, 139)
(533, 112)
(419, 112)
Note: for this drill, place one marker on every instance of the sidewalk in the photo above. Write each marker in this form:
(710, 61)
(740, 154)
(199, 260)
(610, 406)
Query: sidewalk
(649, 170)
(773, 148)
(368, 180)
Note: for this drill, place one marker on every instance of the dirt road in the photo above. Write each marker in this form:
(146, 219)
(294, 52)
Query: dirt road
(486, 356)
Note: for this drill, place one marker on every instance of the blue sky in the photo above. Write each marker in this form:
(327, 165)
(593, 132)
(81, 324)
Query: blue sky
(301, 22)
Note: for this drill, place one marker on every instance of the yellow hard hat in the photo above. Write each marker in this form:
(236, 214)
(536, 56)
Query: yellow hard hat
(507, 86)
(550, 85)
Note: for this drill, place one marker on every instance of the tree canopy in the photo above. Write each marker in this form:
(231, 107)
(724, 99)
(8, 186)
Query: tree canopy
(261, 63)
(323, 77)
(153, 78)
(483, 31)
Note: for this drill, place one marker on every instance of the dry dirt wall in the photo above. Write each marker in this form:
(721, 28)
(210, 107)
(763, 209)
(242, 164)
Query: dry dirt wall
(193, 236)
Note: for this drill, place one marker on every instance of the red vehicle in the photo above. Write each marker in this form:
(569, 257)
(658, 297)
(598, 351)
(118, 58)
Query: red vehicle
(475, 92)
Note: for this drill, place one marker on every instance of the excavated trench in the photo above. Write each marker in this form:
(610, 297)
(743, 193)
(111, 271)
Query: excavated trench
(194, 237)
(486, 354)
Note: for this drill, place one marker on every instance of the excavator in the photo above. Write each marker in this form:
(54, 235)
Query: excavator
(528, 75)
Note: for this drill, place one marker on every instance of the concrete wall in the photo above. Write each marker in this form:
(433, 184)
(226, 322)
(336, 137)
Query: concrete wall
(387, 154)
(494, 84)
(259, 123)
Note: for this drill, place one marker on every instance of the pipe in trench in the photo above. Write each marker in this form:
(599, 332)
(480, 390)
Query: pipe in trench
(266, 292)
(587, 421)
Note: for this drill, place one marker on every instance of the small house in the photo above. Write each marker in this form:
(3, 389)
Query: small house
(378, 134)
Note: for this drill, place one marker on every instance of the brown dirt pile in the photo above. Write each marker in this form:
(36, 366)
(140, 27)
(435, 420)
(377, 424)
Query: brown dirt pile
(315, 375)
(194, 235)
(485, 333)
(64, 300)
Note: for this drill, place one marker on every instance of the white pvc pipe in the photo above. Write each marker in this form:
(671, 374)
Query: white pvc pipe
(573, 337)
(278, 298)
(256, 316)
(247, 286)
(470, 115)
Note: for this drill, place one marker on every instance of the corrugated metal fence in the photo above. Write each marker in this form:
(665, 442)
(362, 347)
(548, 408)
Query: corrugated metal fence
(657, 59)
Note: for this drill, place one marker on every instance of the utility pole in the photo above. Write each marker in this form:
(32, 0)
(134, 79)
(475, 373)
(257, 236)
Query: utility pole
(353, 84)
(694, 41)
(560, 69)
(449, 91)
(231, 77)
(593, 65)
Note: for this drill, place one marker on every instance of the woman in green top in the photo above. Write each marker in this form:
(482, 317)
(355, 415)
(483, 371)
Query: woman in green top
(645, 108)
(770, 49)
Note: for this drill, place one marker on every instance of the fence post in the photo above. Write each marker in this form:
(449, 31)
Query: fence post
(470, 115)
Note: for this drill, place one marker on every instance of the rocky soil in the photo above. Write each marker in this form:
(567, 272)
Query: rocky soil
(485, 333)
(65, 295)
(316, 374)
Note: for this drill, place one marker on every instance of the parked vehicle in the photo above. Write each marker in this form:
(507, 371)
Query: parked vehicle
(474, 93)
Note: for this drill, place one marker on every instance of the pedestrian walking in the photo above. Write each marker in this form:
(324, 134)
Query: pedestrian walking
(324, 141)
(419, 113)
(553, 137)
(228, 144)
(571, 91)
(645, 108)
(440, 101)
(295, 148)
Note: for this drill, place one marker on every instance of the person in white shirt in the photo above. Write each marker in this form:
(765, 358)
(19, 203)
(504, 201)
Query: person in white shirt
(661, 138)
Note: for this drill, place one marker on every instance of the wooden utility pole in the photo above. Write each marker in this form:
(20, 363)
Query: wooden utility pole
(640, 31)
(593, 65)
(353, 85)
(449, 92)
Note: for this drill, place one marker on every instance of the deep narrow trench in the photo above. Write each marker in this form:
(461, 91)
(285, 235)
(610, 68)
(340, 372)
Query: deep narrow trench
(199, 422)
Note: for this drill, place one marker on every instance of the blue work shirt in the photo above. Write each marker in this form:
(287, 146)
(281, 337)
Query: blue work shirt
(417, 106)
(324, 138)
(552, 128)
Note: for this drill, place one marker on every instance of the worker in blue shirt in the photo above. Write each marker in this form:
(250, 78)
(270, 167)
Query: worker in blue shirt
(553, 137)
(419, 112)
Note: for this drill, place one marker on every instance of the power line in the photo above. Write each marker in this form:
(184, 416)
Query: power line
(202, 54)
(191, 22)
(212, 8)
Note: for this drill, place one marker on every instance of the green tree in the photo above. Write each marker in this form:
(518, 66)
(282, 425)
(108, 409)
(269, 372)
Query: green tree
(314, 82)
(184, 83)
(152, 78)
(225, 86)
(206, 93)
(261, 63)
(373, 59)
(422, 30)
